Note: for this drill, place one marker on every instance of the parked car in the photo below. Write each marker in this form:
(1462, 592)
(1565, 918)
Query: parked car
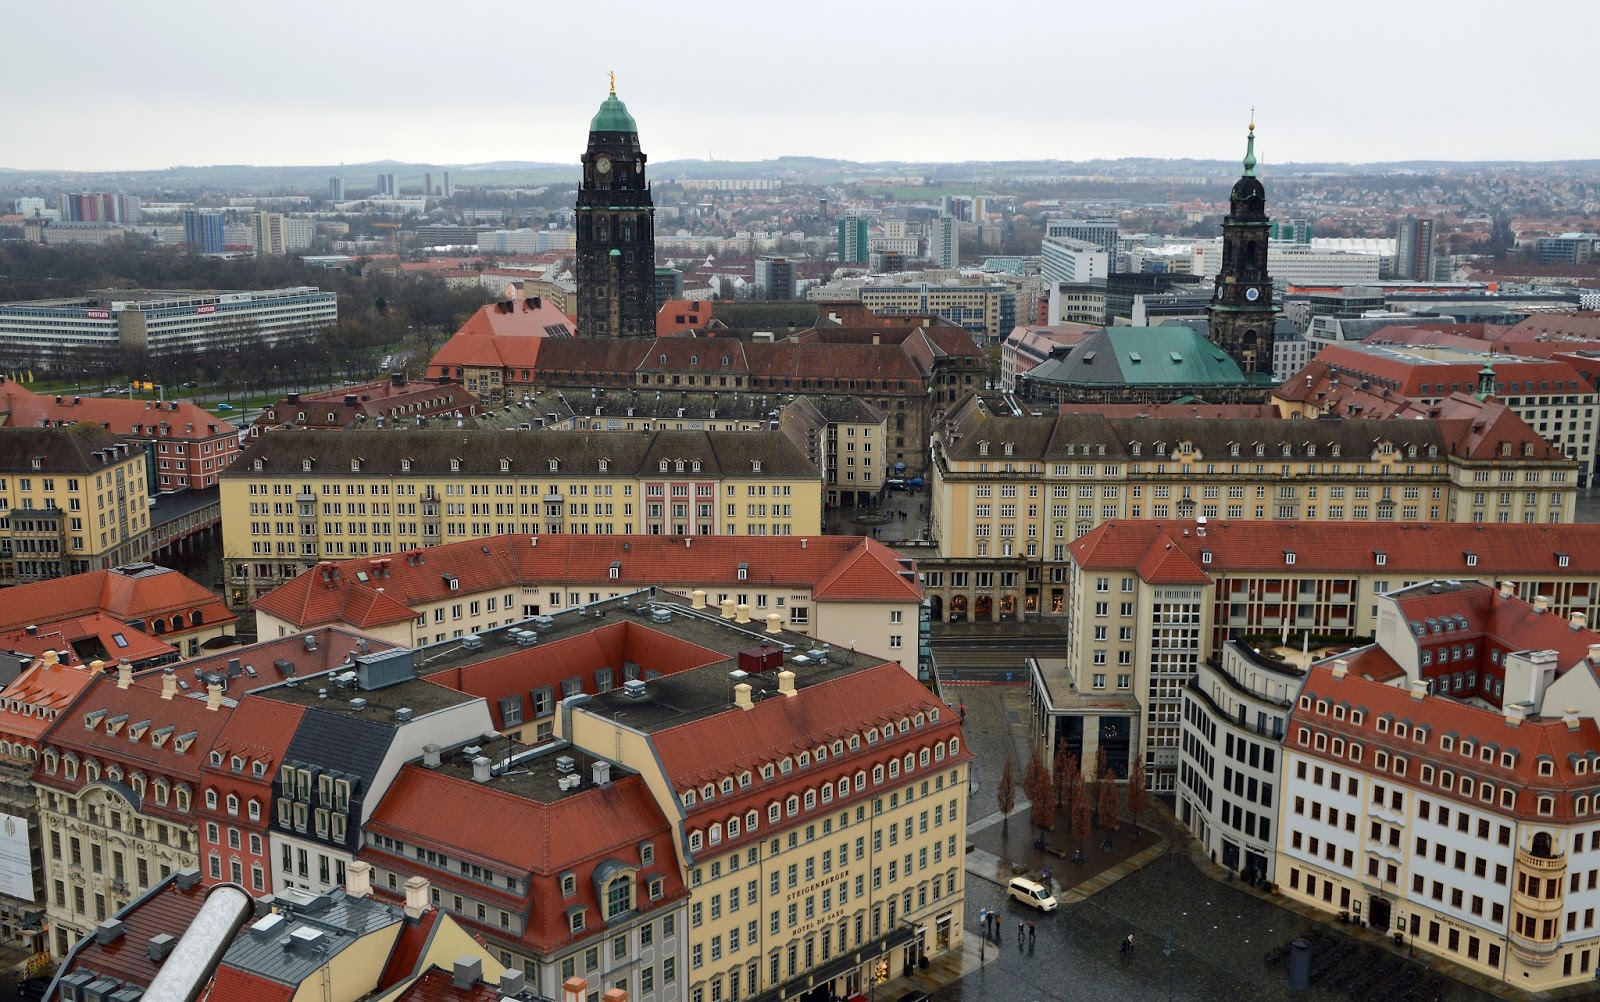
(224, 407)
(1031, 893)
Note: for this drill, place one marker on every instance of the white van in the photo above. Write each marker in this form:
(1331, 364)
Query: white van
(1031, 892)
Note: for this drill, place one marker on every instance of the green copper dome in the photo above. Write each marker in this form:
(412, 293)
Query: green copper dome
(613, 117)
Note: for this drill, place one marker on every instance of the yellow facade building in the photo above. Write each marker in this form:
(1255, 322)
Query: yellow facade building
(1010, 491)
(295, 499)
(72, 500)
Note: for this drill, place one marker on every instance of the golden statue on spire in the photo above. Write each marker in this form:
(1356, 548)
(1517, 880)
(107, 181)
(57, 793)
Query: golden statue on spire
(613, 75)
(1252, 110)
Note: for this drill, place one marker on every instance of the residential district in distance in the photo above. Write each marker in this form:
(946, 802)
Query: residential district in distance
(596, 652)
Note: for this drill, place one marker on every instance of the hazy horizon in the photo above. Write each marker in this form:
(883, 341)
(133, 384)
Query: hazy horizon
(181, 82)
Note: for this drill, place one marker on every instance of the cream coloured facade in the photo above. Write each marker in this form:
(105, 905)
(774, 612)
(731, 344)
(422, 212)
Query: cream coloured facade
(1010, 493)
(296, 499)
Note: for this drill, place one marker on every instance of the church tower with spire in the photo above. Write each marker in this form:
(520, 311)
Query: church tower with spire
(1241, 316)
(616, 239)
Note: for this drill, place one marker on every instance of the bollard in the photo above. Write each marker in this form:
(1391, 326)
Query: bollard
(1299, 965)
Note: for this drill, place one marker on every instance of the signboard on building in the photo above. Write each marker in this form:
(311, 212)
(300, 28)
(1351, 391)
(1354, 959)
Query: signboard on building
(16, 858)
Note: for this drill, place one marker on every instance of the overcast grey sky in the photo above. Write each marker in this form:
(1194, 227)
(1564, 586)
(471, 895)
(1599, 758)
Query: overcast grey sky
(104, 85)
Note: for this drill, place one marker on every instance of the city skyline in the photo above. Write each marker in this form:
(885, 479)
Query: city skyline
(375, 85)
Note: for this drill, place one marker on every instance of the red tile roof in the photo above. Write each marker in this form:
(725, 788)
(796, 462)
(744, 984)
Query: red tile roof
(409, 947)
(230, 984)
(141, 592)
(1420, 377)
(497, 337)
(173, 419)
(1529, 743)
(695, 313)
(1441, 549)
(47, 688)
(165, 909)
(835, 568)
(86, 639)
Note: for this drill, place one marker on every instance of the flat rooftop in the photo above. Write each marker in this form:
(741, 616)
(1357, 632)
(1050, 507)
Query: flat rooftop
(532, 773)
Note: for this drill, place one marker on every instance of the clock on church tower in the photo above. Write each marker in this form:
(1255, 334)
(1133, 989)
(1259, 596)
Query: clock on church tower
(616, 258)
(1241, 315)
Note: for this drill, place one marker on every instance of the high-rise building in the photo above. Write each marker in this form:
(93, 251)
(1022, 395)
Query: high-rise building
(1295, 231)
(616, 229)
(203, 231)
(267, 230)
(1098, 230)
(99, 207)
(774, 278)
(1071, 260)
(669, 284)
(853, 240)
(427, 184)
(1242, 317)
(944, 241)
(387, 188)
(336, 189)
(1413, 258)
(449, 189)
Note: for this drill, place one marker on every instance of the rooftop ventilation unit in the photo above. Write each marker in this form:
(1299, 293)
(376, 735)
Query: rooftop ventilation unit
(307, 938)
(570, 782)
(566, 763)
(661, 615)
(543, 623)
(472, 642)
(527, 638)
(800, 660)
(403, 715)
(358, 704)
(345, 680)
(471, 751)
(386, 668)
(633, 689)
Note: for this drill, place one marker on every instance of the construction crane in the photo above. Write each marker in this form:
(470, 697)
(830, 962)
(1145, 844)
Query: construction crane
(394, 235)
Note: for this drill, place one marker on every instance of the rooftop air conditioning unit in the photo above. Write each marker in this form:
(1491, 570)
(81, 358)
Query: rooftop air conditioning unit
(472, 642)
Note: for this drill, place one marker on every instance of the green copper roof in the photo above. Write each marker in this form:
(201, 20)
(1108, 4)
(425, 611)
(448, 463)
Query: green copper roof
(1143, 356)
(613, 117)
(1250, 148)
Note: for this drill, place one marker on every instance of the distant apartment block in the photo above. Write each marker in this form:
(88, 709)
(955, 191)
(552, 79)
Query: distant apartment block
(1102, 232)
(388, 187)
(266, 232)
(774, 278)
(98, 207)
(986, 311)
(944, 241)
(854, 240)
(336, 189)
(1414, 249)
(203, 231)
(1568, 248)
(1072, 260)
(162, 321)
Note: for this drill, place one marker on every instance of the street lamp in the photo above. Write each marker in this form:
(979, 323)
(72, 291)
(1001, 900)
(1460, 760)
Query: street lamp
(1170, 949)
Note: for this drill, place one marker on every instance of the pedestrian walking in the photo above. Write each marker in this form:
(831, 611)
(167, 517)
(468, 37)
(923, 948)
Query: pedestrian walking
(1032, 931)
(1127, 944)
(983, 916)
(1020, 930)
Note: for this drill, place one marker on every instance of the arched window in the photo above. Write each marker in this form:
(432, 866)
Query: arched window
(619, 896)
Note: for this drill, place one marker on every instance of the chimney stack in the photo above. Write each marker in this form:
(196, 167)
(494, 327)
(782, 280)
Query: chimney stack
(418, 896)
(1341, 668)
(467, 973)
(169, 683)
(1419, 688)
(773, 621)
(1569, 716)
(358, 878)
(615, 995)
(575, 989)
(1507, 589)
(124, 673)
(1515, 713)
(741, 696)
(480, 770)
(213, 695)
(741, 613)
(786, 682)
(697, 599)
(1577, 621)
(727, 608)
(1541, 603)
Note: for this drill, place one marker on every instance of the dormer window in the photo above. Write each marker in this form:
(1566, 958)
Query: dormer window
(305, 465)
(505, 466)
(455, 466)
(405, 466)
(355, 465)
(604, 465)
(755, 466)
(694, 466)
(678, 466)
(555, 465)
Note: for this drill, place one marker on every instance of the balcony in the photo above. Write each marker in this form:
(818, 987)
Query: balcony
(1537, 862)
(1532, 951)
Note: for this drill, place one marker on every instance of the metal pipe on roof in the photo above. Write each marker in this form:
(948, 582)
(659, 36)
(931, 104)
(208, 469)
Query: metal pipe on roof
(186, 972)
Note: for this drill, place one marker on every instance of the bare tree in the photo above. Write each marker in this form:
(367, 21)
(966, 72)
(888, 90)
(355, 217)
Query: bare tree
(1041, 790)
(1082, 812)
(1108, 801)
(1065, 765)
(1138, 797)
(1006, 795)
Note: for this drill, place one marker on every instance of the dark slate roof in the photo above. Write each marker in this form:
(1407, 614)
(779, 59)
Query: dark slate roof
(342, 920)
(768, 315)
(380, 453)
(357, 744)
(1142, 356)
(62, 450)
(1081, 435)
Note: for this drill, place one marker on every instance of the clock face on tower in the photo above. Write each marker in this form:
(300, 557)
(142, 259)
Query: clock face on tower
(1252, 294)
(603, 164)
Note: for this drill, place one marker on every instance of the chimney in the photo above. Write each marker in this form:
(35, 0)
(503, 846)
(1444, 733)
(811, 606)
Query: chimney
(358, 878)
(1419, 688)
(169, 682)
(697, 599)
(468, 972)
(727, 608)
(615, 995)
(1541, 603)
(480, 770)
(1515, 713)
(108, 931)
(574, 989)
(188, 877)
(1577, 621)
(124, 673)
(742, 613)
(418, 896)
(1569, 716)
(786, 682)
(1341, 668)
(602, 773)
(512, 983)
(430, 756)
(741, 696)
(213, 695)
(1507, 589)
(1594, 652)
(160, 945)
(773, 619)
